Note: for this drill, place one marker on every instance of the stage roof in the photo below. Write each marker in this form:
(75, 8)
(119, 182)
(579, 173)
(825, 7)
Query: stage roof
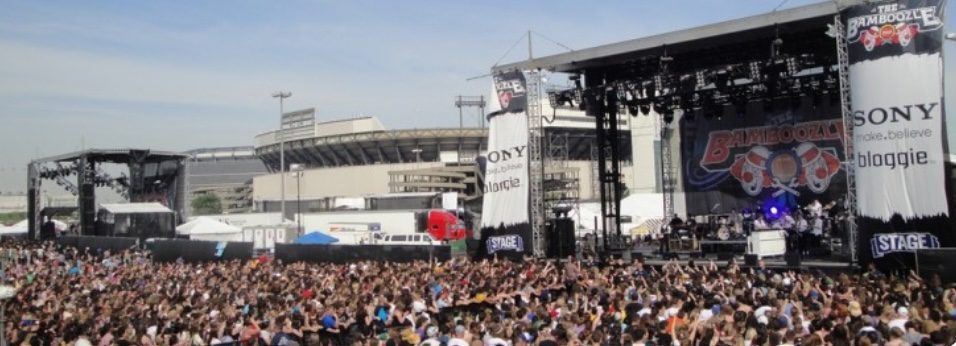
(693, 39)
(115, 155)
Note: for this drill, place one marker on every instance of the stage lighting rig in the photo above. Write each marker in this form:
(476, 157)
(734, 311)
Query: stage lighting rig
(644, 106)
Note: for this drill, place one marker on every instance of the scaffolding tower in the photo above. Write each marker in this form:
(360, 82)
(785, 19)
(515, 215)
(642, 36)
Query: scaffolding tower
(848, 150)
(536, 163)
(560, 181)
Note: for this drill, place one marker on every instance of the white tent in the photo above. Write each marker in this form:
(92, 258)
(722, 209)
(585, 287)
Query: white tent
(204, 228)
(17, 228)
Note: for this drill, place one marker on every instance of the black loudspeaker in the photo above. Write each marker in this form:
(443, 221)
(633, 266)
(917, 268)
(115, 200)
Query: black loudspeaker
(637, 256)
(793, 259)
(671, 256)
(560, 238)
(725, 256)
(750, 260)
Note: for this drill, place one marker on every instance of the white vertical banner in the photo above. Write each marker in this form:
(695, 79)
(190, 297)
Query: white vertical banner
(896, 83)
(896, 72)
(505, 215)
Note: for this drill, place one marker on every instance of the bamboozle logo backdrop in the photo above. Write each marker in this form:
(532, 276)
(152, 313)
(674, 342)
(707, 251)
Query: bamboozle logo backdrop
(792, 153)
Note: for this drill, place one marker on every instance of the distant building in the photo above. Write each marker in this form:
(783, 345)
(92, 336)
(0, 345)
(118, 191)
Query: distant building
(361, 157)
(13, 203)
(225, 172)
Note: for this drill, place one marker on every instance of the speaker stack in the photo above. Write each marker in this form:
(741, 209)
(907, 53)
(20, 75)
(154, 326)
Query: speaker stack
(560, 238)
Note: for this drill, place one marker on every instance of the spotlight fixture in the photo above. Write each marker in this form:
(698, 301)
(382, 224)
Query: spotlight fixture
(659, 107)
(668, 117)
(645, 107)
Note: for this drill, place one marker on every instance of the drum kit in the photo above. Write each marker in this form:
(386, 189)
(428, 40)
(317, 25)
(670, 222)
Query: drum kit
(720, 227)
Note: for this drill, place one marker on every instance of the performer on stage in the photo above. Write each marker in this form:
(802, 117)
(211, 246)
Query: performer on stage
(817, 231)
(803, 234)
(815, 208)
(735, 221)
(761, 224)
(748, 222)
(787, 223)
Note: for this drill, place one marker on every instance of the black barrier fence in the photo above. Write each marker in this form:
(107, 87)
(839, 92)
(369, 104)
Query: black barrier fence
(352, 253)
(925, 262)
(113, 244)
(169, 250)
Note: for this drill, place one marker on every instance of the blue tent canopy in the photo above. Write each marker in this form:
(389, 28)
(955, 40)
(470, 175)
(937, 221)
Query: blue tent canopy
(316, 238)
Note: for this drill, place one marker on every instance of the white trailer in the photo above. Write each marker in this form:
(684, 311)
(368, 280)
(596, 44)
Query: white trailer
(248, 219)
(359, 226)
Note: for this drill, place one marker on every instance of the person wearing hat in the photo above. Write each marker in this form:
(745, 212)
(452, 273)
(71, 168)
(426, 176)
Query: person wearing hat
(431, 337)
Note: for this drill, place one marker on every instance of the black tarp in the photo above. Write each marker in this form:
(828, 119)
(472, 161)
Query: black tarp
(352, 253)
(113, 244)
(168, 250)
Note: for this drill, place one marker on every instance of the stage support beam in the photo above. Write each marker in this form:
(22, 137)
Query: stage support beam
(843, 64)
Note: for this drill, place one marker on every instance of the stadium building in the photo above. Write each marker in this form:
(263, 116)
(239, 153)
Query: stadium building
(226, 172)
(360, 157)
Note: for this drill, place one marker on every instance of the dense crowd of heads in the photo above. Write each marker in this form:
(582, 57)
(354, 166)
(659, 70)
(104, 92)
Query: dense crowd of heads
(77, 296)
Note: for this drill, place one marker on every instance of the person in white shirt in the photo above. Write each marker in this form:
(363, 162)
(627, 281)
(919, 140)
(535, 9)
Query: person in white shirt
(815, 208)
(817, 231)
(760, 224)
(803, 233)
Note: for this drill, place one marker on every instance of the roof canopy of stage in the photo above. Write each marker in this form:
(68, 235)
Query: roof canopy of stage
(116, 156)
(802, 30)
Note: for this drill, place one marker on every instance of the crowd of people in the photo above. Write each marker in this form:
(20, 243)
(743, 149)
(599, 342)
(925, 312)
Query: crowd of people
(70, 296)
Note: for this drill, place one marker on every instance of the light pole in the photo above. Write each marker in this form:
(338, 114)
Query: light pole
(298, 168)
(6, 292)
(282, 96)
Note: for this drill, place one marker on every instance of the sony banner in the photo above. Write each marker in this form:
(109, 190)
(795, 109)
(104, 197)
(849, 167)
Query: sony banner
(786, 157)
(896, 83)
(505, 222)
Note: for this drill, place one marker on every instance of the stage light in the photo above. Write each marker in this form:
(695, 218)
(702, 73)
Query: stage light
(755, 71)
(637, 90)
(668, 117)
(632, 109)
(659, 108)
(792, 67)
(645, 108)
(553, 99)
(621, 92)
(652, 88)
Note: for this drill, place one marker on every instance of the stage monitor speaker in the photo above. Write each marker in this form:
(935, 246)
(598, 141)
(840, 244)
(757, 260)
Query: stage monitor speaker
(671, 256)
(725, 256)
(750, 260)
(560, 238)
(793, 259)
(637, 256)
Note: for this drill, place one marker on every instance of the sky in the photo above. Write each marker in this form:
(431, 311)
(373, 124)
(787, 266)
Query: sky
(179, 75)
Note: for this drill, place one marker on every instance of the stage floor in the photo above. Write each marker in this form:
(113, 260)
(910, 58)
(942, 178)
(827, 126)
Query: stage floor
(834, 263)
